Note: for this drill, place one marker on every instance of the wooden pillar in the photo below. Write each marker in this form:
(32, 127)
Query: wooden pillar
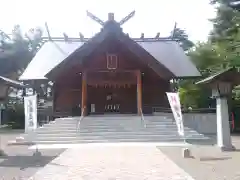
(84, 94)
(139, 91)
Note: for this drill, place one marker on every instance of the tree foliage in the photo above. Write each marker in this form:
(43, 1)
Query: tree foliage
(16, 51)
(182, 37)
(221, 51)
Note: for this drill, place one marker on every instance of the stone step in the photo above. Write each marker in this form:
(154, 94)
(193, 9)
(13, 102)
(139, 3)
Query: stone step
(136, 131)
(80, 133)
(112, 136)
(78, 141)
(106, 129)
(140, 130)
(110, 125)
(106, 122)
(104, 141)
(119, 130)
(111, 129)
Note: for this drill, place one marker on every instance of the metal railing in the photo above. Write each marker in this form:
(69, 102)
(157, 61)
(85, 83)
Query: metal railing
(81, 118)
(142, 118)
(198, 110)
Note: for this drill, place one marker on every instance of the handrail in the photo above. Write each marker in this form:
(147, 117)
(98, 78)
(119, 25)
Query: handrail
(197, 110)
(82, 116)
(142, 118)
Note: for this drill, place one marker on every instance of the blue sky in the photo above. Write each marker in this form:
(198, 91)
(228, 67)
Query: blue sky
(69, 16)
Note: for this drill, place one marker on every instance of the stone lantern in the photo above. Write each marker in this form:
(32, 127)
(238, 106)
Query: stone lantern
(222, 84)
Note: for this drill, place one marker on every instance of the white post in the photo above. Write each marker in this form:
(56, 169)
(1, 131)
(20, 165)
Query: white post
(223, 128)
(0, 116)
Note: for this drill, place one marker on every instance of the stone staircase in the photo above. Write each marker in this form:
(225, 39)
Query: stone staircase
(118, 128)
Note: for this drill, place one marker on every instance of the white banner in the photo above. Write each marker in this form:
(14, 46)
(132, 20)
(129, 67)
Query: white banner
(174, 102)
(30, 108)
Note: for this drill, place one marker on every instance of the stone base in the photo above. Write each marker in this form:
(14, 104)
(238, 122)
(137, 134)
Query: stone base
(2, 153)
(19, 139)
(21, 143)
(186, 153)
(37, 154)
(230, 148)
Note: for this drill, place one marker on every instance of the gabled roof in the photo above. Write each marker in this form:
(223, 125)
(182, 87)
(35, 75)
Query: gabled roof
(166, 57)
(172, 56)
(48, 57)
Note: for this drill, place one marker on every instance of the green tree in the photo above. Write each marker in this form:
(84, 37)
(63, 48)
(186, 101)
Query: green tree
(182, 37)
(220, 52)
(208, 60)
(16, 51)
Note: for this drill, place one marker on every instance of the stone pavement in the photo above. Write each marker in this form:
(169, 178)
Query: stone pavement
(19, 162)
(208, 162)
(110, 163)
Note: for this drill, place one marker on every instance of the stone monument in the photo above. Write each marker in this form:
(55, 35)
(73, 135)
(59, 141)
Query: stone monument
(222, 84)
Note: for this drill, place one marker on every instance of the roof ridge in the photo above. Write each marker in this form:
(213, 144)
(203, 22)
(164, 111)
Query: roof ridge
(75, 39)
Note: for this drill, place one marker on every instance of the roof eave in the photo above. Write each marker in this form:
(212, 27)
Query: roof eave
(188, 77)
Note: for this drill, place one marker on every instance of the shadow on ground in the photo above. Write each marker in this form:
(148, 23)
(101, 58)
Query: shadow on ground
(24, 162)
(209, 140)
(214, 158)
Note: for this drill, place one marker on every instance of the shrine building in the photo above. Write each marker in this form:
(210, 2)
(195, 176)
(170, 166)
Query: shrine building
(110, 72)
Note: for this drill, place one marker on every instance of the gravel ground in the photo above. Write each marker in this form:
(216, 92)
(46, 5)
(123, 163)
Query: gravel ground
(208, 162)
(20, 162)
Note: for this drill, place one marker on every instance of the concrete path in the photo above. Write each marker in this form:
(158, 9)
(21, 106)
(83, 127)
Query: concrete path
(110, 163)
(208, 162)
(19, 162)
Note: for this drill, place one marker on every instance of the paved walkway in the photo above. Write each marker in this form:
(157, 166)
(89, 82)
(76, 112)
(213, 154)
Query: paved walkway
(208, 162)
(19, 162)
(110, 163)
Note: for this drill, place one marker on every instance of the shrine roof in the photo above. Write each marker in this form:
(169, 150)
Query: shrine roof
(227, 75)
(12, 82)
(162, 55)
(48, 57)
(165, 51)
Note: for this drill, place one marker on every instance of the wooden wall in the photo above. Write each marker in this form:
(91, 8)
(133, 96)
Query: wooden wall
(153, 94)
(68, 84)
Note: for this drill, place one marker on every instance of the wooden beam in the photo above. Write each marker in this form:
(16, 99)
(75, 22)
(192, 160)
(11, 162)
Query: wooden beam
(158, 35)
(48, 31)
(81, 36)
(84, 94)
(95, 18)
(139, 91)
(65, 37)
(125, 19)
(174, 30)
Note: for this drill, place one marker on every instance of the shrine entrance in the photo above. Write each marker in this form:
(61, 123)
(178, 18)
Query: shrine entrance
(112, 100)
(112, 93)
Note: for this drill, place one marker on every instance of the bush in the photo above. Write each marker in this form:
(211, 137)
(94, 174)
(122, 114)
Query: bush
(16, 116)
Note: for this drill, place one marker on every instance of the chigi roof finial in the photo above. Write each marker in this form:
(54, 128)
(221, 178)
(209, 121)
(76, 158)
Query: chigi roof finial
(110, 18)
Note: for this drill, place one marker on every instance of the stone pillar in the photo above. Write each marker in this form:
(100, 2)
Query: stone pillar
(1, 114)
(84, 94)
(139, 92)
(223, 128)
